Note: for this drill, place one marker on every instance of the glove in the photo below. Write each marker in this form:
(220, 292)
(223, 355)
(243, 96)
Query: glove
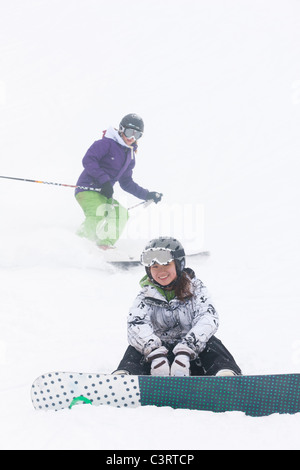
(181, 365)
(156, 197)
(159, 362)
(183, 355)
(107, 190)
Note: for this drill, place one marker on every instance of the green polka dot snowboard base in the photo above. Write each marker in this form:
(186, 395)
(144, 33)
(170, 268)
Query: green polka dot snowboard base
(256, 395)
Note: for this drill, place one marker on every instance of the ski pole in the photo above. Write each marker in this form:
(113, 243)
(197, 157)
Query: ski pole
(104, 221)
(54, 184)
(146, 203)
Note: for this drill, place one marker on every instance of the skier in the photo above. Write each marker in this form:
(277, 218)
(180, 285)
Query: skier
(107, 161)
(172, 322)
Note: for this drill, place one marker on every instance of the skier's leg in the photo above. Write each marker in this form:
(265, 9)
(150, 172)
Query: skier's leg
(133, 363)
(89, 202)
(215, 360)
(116, 219)
(105, 219)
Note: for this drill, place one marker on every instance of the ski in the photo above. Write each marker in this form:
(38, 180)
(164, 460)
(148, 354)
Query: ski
(115, 256)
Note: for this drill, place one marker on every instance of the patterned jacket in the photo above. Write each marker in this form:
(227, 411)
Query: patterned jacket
(155, 321)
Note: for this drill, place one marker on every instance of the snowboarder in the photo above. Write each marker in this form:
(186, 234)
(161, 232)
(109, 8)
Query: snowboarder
(172, 322)
(107, 161)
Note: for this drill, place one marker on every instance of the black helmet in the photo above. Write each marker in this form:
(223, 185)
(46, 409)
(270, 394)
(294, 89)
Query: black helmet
(162, 250)
(132, 121)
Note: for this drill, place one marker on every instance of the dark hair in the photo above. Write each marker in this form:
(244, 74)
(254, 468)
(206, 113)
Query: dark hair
(183, 287)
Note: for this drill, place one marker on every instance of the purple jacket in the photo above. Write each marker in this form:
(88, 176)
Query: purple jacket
(110, 159)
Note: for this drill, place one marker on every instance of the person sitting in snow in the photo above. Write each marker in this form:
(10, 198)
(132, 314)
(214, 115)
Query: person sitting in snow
(172, 322)
(107, 161)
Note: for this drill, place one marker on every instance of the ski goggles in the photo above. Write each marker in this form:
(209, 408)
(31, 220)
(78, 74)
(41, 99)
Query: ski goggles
(129, 133)
(161, 256)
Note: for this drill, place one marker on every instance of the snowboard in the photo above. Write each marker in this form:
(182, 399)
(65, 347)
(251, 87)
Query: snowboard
(254, 395)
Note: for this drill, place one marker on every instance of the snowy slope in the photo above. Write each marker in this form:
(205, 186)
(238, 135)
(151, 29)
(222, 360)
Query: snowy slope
(218, 85)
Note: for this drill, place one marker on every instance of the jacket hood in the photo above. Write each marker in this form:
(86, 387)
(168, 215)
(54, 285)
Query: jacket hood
(113, 134)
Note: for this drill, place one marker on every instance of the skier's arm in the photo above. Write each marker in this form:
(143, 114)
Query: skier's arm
(205, 322)
(140, 329)
(127, 184)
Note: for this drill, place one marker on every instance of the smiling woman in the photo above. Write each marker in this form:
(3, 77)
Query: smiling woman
(164, 274)
(172, 322)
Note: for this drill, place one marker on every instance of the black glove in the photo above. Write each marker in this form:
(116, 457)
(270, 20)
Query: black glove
(156, 197)
(107, 190)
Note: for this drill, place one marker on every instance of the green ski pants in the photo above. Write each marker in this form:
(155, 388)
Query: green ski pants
(105, 219)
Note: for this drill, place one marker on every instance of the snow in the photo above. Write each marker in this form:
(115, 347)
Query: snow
(218, 85)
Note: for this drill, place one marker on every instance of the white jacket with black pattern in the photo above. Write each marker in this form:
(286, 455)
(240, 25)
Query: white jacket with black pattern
(153, 321)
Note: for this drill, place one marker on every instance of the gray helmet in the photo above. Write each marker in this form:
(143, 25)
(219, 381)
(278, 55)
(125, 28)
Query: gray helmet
(162, 250)
(132, 121)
